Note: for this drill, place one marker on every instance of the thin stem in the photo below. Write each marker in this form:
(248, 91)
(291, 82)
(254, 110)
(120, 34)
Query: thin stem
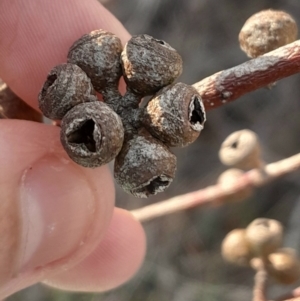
(127, 107)
(252, 178)
(260, 283)
(228, 85)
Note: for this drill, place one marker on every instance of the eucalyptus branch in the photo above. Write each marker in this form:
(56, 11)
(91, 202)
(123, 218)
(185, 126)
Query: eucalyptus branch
(228, 85)
(216, 193)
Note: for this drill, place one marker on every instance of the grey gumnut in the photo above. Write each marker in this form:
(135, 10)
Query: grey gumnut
(98, 54)
(149, 64)
(144, 166)
(176, 115)
(66, 86)
(92, 134)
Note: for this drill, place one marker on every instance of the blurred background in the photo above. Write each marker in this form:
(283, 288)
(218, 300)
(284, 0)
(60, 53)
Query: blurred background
(183, 260)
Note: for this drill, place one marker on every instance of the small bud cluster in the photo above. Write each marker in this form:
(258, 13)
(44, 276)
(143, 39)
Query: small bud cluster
(138, 137)
(260, 242)
(240, 151)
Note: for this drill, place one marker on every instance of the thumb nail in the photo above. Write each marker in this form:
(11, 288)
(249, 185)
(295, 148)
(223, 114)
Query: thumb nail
(57, 206)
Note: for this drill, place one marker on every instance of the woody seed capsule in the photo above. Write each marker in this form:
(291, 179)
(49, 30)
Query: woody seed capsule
(149, 64)
(176, 115)
(241, 149)
(264, 236)
(266, 31)
(236, 249)
(98, 54)
(66, 86)
(92, 134)
(144, 166)
(284, 266)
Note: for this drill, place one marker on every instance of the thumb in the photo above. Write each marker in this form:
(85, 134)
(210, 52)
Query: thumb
(53, 213)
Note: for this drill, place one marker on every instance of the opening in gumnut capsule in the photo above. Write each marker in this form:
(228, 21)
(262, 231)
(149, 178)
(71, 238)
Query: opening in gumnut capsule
(156, 185)
(160, 42)
(84, 135)
(50, 81)
(197, 115)
(234, 144)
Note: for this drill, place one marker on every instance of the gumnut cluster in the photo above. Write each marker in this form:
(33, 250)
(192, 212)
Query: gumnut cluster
(240, 151)
(261, 243)
(137, 136)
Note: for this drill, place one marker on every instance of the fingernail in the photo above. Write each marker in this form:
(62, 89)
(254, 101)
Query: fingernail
(57, 211)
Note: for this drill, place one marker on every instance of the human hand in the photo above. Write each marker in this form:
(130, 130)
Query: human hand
(57, 220)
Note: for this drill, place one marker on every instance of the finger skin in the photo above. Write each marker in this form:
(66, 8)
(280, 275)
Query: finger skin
(115, 260)
(36, 35)
(123, 248)
(32, 142)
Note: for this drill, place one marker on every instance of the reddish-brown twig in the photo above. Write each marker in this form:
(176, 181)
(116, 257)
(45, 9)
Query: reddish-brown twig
(252, 178)
(230, 84)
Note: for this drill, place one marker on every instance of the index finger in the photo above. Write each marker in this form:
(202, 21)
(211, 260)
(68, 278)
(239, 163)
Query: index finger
(36, 35)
